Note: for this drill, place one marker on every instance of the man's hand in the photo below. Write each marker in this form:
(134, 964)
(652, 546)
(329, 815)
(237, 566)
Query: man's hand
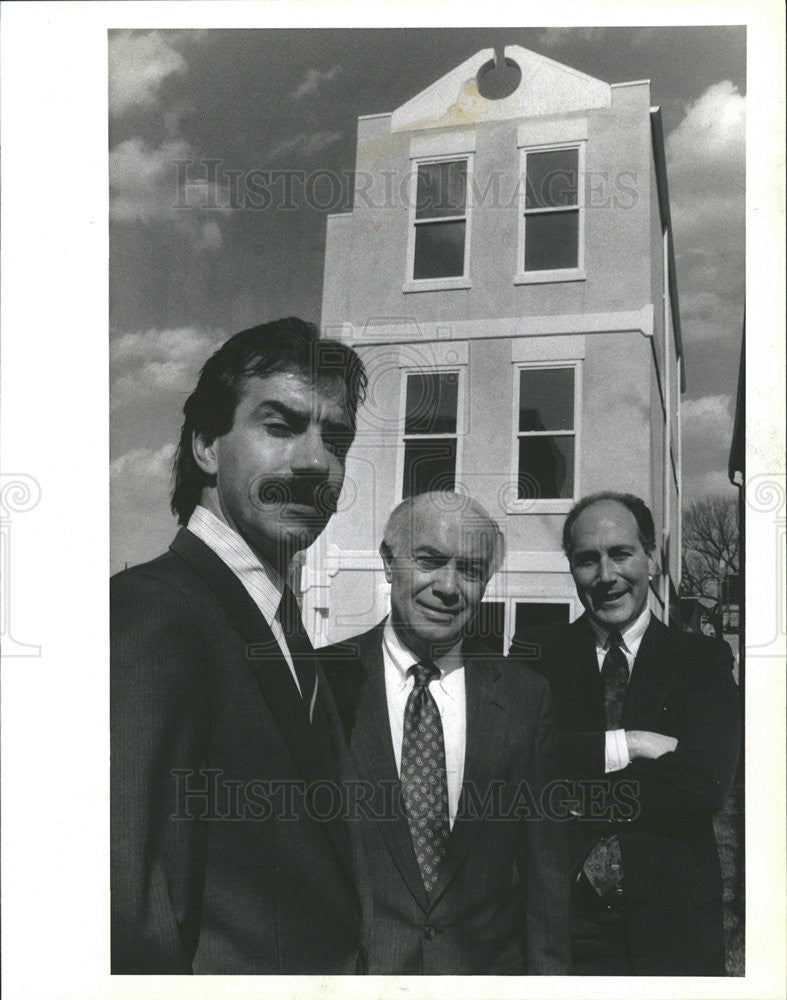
(641, 743)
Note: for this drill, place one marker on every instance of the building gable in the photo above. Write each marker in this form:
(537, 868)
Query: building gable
(546, 88)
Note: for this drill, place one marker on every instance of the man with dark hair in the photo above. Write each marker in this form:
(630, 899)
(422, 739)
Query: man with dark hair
(649, 725)
(455, 752)
(228, 855)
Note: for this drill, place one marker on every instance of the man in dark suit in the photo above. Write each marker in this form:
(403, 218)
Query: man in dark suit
(649, 724)
(454, 752)
(228, 854)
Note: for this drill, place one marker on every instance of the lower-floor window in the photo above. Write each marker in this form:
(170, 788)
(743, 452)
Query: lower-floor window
(493, 630)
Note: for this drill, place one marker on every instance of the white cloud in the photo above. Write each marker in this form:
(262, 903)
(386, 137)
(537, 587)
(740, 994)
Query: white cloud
(210, 236)
(143, 467)
(708, 416)
(138, 66)
(710, 137)
(166, 183)
(313, 81)
(143, 180)
(305, 143)
(158, 361)
(165, 345)
(553, 38)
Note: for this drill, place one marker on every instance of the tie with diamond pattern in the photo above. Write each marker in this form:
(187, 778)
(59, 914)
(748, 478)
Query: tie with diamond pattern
(424, 786)
(615, 677)
(603, 867)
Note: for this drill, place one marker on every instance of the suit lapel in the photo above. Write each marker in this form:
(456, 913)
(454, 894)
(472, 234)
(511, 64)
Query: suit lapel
(650, 678)
(375, 762)
(580, 669)
(485, 735)
(310, 753)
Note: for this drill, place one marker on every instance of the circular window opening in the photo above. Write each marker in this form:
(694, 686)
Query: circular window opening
(498, 81)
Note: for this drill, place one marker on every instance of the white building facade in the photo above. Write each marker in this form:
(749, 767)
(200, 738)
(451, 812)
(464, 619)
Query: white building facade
(507, 274)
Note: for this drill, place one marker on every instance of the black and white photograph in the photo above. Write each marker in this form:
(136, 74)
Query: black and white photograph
(414, 481)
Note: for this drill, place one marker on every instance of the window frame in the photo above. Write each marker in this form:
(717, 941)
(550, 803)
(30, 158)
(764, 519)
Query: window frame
(458, 435)
(510, 602)
(411, 283)
(578, 273)
(544, 505)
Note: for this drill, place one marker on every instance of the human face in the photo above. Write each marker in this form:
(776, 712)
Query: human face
(279, 470)
(609, 565)
(438, 577)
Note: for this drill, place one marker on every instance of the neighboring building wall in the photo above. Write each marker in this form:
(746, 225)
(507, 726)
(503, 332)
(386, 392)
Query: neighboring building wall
(604, 321)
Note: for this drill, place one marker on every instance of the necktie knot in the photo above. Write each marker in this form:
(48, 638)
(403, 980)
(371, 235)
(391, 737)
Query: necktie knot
(424, 672)
(615, 640)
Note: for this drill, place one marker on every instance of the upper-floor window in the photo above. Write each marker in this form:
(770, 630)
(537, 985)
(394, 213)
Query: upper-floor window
(430, 441)
(551, 230)
(439, 221)
(546, 433)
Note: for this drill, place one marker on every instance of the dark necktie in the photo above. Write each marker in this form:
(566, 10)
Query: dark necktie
(424, 785)
(299, 646)
(615, 677)
(603, 867)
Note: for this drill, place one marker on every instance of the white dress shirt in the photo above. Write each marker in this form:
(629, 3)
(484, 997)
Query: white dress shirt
(261, 581)
(448, 692)
(616, 748)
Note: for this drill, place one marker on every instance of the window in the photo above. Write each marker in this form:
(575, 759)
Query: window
(430, 431)
(499, 621)
(546, 437)
(489, 626)
(551, 243)
(528, 615)
(439, 248)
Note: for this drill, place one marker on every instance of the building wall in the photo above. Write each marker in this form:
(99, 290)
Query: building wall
(610, 324)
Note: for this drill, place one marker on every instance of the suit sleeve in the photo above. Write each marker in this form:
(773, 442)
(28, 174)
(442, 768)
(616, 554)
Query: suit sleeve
(696, 777)
(157, 703)
(547, 903)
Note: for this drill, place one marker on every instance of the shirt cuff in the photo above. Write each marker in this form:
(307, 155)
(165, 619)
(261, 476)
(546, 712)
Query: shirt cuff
(616, 751)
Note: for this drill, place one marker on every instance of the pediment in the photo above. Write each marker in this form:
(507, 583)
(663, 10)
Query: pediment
(546, 88)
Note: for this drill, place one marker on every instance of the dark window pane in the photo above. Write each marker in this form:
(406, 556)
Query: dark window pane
(429, 465)
(439, 250)
(546, 399)
(552, 178)
(442, 189)
(431, 403)
(551, 241)
(546, 468)
(489, 626)
(528, 615)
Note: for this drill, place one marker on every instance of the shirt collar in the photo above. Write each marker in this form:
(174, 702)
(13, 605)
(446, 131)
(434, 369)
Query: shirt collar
(402, 657)
(258, 577)
(631, 635)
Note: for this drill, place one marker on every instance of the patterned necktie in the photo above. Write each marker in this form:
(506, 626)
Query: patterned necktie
(603, 867)
(615, 677)
(299, 646)
(424, 785)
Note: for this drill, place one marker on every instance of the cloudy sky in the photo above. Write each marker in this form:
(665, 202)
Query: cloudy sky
(192, 261)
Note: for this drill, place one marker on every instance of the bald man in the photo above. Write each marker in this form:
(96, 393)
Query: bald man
(455, 750)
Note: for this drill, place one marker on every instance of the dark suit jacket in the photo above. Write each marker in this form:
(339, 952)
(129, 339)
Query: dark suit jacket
(681, 685)
(501, 901)
(217, 865)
